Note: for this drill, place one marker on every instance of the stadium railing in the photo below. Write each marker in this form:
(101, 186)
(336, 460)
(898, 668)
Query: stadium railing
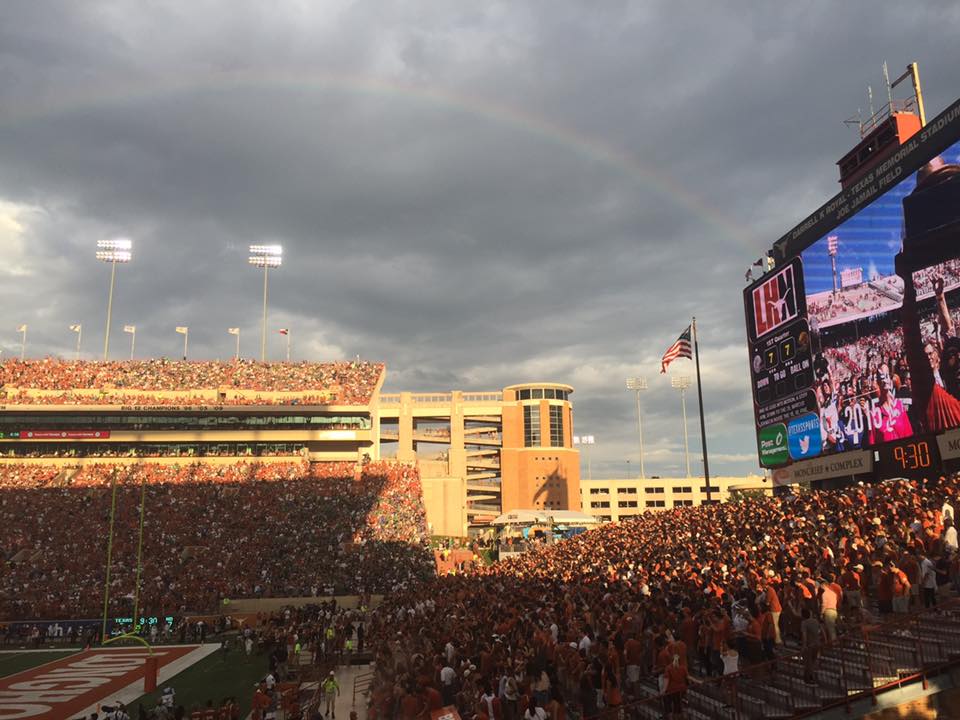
(863, 663)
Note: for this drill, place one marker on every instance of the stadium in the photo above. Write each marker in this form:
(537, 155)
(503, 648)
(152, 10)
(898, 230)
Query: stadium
(273, 525)
(156, 493)
(258, 540)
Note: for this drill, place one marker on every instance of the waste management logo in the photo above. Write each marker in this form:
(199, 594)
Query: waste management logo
(773, 445)
(803, 436)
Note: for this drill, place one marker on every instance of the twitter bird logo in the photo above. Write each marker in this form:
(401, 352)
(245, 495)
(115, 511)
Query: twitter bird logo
(803, 436)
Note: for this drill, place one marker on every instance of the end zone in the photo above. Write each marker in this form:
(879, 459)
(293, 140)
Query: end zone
(77, 685)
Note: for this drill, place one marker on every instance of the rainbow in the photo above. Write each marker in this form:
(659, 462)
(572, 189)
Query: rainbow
(538, 126)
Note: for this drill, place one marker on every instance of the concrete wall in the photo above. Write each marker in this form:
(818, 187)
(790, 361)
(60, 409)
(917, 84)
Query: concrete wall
(254, 605)
(445, 502)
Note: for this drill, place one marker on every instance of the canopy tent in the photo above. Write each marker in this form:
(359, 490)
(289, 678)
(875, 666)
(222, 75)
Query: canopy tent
(546, 517)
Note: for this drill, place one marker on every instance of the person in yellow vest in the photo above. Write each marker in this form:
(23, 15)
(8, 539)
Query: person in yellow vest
(331, 689)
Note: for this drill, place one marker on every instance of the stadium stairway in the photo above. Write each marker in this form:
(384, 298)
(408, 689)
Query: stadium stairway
(65, 477)
(865, 662)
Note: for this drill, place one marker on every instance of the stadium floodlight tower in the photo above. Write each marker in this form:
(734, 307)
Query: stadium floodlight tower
(586, 441)
(113, 252)
(638, 385)
(681, 383)
(265, 256)
(832, 243)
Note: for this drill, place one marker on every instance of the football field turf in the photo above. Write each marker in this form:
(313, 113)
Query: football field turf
(212, 678)
(16, 661)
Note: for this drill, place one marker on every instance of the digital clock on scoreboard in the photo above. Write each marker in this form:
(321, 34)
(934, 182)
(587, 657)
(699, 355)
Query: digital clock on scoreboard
(914, 458)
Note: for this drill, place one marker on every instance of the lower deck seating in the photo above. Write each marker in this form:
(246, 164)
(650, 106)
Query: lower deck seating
(210, 533)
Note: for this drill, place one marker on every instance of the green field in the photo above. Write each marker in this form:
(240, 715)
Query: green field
(13, 662)
(213, 678)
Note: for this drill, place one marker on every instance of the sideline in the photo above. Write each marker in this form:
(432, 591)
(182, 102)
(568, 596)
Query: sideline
(134, 690)
(60, 688)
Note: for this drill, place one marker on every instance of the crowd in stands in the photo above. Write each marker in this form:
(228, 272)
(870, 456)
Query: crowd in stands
(147, 450)
(211, 532)
(582, 624)
(864, 385)
(948, 271)
(133, 382)
(880, 294)
(873, 297)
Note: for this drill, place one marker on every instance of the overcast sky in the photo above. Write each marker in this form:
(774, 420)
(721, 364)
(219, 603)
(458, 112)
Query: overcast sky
(476, 193)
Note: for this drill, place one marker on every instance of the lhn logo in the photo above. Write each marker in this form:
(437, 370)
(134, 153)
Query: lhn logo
(774, 302)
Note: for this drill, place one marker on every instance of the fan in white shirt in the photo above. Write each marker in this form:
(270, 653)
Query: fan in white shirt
(950, 535)
(447, 675)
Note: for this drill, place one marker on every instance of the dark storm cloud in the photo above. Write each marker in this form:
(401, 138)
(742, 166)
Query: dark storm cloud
(476, 194)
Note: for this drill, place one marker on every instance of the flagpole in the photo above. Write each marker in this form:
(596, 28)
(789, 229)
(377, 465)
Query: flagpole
(288, 345)
(703, 430)
(186, 337)
(79, 337)
(133, 341)
(23, 344)
(237, 356)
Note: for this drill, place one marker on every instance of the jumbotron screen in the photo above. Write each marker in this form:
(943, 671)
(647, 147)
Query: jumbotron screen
(854, 337)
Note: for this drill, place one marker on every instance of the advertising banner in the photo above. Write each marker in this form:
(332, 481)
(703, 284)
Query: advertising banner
(63, 434)
(851, 463)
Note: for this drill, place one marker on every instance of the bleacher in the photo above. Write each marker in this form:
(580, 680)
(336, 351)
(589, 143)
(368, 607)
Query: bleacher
(211, 533)
(53, 381)
(858, 666)
(690, 583)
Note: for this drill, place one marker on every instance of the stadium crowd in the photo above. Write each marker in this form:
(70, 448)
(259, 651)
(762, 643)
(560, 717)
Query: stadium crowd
(150, 450)
(870, 297)
(948, 271)
(176, 382)
(880, 294)
(583, 624)
(866, 390)
(211, 532)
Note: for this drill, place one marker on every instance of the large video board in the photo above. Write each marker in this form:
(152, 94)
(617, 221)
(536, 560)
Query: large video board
(854, 337)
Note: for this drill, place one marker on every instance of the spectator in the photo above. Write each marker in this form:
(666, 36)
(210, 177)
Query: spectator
(812, 633)
(359, 528)
(581, 609)
(676, 688)
(175, 382)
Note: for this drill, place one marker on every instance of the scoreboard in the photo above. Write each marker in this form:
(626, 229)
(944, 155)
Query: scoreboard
(853, 337)
(913, 458)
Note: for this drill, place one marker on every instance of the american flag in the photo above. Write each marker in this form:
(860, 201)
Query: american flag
(680, 349)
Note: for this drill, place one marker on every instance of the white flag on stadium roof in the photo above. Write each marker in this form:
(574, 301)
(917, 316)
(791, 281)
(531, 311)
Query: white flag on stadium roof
(22, 328)
(183, 330)
(76, 328)
(233, 331)
(129, 328)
